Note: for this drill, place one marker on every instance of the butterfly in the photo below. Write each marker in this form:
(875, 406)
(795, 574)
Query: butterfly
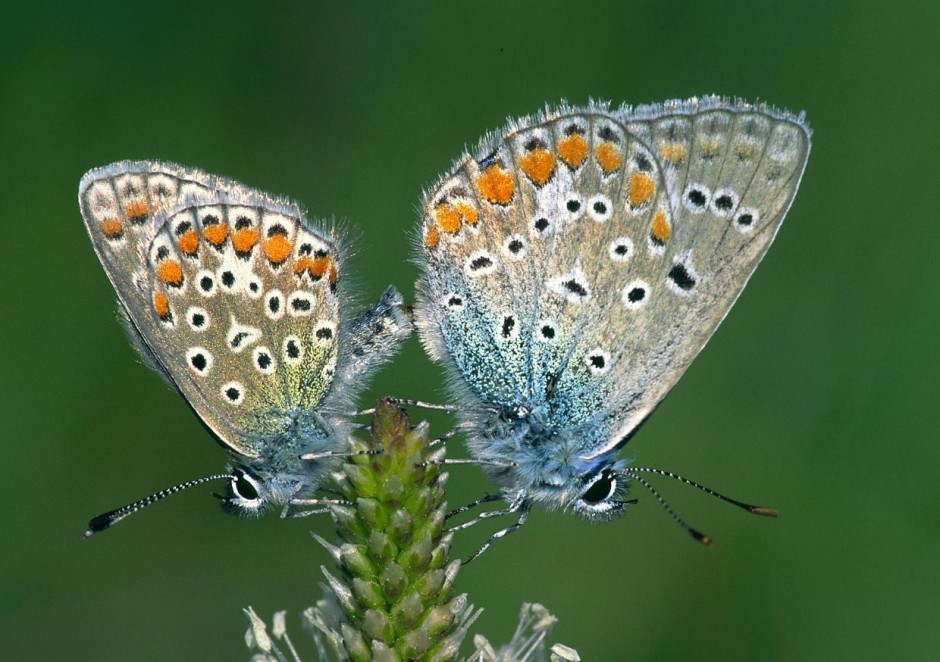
(575, 265)
(238, 302)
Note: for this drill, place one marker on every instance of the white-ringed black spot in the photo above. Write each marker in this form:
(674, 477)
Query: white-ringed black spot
(199, 360)
(305, 249)
(597, 361)
(254, 288)
(636, 294)
(210, 219)
(681, 278)
(324, 332)
(600, 208)
(292, 350)
(572, 286)
(233, 392)
(163, 253)
(300, 304)
(206, 283)
(541, 225)
(276, 228)
(274, 304)
(621, 249)
(573, 205)
(198, 319)
(454, 302)
(263, 361)
(547, 331)
(574, 128)
(182, 228)
(643, 162)
(515, 247)
(534, 143)
(508, 329)
(745, 220)
(242, 223)
(228, 279)
(240, 336)
(480, 263)
(696, 198)
(724, 201)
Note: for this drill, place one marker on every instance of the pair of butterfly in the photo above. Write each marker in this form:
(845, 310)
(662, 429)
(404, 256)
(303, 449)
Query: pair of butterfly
(572, 269)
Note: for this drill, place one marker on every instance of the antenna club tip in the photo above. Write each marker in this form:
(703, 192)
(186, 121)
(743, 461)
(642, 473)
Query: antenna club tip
(88, 534)
(705, 540)
(764, 512)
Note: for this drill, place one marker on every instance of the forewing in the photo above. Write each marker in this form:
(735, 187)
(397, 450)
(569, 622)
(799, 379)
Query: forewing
(232, 292)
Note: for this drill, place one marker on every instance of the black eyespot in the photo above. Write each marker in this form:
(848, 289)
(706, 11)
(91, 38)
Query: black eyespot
(600, 489)
(697, 197)
(573, 206)
(206, 283)
(607, 133)
(300, 303)
(199, 361)
(305, 249)
(277, 228)
(228, 278)
(509, 323)
(548, 332)
(636, 294)
(480, 262)
(243, 488)
(264, 360)
(724, 202)
(514, 246)
(600, 208)
(242, 222)
(253, 287)
(575, 287)
(621, 249)
(597, 361)
(454, 301)
(293, 351)
(572, 129)
(183, 228)
(210, 219)
(541, 224)
(320, 253)
(274, 304)
(745, 219)
(198, 319)
(232, 393)
(324, 333)
(643, 163)
(163, 252)
(680, 275)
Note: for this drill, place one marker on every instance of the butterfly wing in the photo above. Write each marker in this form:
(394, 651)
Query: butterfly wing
(232, 292)
(583, 258)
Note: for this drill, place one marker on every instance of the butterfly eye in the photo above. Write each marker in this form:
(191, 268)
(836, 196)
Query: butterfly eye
(244, 487)
(601, 489)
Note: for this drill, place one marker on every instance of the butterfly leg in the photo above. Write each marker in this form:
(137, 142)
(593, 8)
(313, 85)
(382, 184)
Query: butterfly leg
(517, 504)
(502, 533)
(443, 438)
(488, 498)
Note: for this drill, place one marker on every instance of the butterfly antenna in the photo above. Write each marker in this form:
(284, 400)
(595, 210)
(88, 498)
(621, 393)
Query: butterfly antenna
(757, 510)
(698, 535)
(109, 519)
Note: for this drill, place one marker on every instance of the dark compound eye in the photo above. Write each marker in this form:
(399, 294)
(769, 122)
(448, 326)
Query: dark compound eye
(601, 489)
(243, 487)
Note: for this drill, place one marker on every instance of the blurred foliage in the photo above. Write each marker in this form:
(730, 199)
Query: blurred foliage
(817, 396)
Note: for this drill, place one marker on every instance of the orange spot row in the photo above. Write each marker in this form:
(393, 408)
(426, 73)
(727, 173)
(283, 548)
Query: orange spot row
(215, 234)
(573, 150)
(112, 228)
(277, 248)
(161, 305)
(660, 230)
(316, 267)
(672, 152)
(189, 242)
(244, 240)
(450, 217)
(170, 272)
(608, 157)
(538, 165)
(642, 188)
(430, 236)
(136, 209)
(496, 185)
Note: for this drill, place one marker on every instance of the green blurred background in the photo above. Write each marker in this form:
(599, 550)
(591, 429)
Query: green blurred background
(817, 396)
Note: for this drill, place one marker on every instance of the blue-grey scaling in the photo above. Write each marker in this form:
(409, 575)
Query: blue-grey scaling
(576, 264)
(237, 301)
